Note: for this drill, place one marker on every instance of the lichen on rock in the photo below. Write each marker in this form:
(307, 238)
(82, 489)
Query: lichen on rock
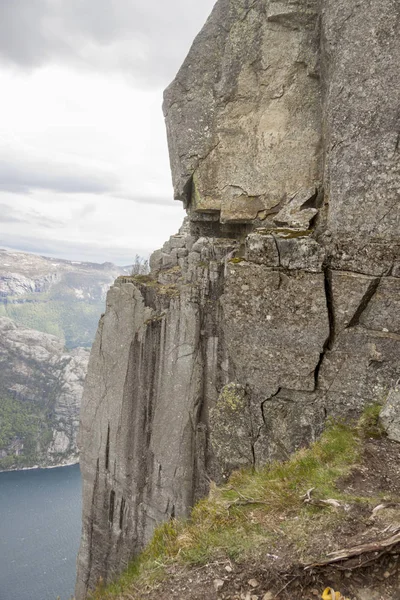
(232, 433)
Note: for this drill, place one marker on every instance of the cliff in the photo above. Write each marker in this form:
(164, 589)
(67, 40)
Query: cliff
(41, 388)
(276, 306)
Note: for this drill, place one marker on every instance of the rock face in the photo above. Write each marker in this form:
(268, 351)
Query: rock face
(276, 306)
(37, 374)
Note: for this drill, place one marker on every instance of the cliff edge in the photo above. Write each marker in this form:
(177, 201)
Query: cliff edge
(276, 306)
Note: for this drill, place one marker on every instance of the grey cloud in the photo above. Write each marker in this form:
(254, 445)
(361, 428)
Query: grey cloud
(29, 217)
(148, 40)
(86, 211)
(23, 175)
(72, 251)
(166, 202)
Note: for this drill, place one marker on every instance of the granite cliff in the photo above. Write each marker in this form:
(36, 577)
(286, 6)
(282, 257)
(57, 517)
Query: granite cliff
(277, 304)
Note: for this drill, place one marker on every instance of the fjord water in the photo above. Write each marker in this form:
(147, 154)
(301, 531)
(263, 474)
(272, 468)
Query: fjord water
(40, 523)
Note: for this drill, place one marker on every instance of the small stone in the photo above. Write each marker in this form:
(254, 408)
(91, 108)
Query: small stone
(386, 574)
(268, 596)
(228, 569)
(253, 583)
(218, 584)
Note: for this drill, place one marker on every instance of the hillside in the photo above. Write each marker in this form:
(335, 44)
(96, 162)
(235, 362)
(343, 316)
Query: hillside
(59, 297)
(41, 388)
(49, 311)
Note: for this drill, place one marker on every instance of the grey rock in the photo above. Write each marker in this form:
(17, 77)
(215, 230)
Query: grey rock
(390, 414)
(156, 260)
(262, 249)
(182, 252)
(169, 260)
(178, 241)
(233, 432)
(246, 133)
(302, 253)
(295, 213)
(264, 311)
(361, 51)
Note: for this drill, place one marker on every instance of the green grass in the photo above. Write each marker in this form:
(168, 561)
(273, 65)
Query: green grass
(254, 509)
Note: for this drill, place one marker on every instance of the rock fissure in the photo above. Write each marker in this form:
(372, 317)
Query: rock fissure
(330, 340)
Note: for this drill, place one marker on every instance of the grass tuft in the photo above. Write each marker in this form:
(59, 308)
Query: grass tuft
(369, 424)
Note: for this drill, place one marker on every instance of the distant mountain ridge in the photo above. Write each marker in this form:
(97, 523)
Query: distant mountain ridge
(59, 297)
(49, 310)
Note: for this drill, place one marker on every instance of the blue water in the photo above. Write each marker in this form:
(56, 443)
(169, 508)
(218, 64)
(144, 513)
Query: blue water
(40, 522)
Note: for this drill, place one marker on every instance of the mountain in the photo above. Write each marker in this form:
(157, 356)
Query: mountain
(40, 395)
(59, 297)
(49, 310)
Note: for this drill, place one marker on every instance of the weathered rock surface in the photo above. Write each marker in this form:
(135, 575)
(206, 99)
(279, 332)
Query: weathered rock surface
(241, 140)
(36, 370)
(276, 306)
(390, 414)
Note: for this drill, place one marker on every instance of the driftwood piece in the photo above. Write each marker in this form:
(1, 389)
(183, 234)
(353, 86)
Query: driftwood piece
(379, 546)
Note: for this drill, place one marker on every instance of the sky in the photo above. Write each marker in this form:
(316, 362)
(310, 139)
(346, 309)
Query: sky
(84, 167)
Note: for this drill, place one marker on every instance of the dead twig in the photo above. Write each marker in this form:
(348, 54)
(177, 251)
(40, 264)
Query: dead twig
(285, 586)
(307, 499)
(245, 500)
(382, 507)
(379, 546)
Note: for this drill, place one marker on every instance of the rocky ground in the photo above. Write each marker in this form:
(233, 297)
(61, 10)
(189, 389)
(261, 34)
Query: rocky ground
(367, 575)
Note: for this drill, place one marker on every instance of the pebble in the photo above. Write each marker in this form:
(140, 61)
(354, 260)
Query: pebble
(253, 583)
(218, 584)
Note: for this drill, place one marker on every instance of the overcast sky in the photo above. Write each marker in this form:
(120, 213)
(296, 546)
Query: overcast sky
(84, 169)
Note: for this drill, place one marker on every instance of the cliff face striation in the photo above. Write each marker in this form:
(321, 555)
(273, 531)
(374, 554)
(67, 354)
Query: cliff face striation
(277, 304)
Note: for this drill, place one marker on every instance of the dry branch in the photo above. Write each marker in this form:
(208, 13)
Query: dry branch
(380, 546)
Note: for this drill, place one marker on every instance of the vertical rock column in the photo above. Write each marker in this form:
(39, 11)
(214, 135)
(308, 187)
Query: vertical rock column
(142, 437)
